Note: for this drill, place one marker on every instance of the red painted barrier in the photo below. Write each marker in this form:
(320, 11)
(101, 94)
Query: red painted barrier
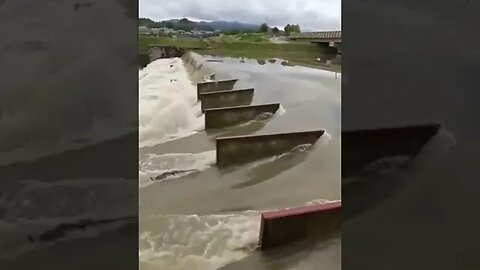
(284, 226)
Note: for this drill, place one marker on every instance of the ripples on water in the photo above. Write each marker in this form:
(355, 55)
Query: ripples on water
(154, 165)
(197, 242)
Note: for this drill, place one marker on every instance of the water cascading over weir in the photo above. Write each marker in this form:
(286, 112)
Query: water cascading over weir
(225, 105)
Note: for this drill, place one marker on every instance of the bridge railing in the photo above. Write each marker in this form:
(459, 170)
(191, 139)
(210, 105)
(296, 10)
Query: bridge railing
(318, 35)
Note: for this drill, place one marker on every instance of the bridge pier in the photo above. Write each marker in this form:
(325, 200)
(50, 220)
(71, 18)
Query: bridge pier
(326, 39)
(336, 45)
(322, 44)
(326, 46)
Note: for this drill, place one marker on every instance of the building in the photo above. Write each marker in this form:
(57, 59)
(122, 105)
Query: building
(155, 31)
(143, 30)
(168, 32)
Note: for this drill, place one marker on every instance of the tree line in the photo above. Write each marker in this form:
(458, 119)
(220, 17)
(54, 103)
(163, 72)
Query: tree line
(187, 25)
(289, 28)
(182, 24)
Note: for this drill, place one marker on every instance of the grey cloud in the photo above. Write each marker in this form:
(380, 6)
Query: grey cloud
(309, 14)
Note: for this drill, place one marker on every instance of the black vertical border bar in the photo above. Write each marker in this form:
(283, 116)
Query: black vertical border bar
(407, 62)
(69, 72)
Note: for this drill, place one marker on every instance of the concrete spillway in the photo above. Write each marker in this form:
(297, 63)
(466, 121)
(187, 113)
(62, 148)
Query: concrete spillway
(229, 116)
(215, 86)
(228, 98)
(243, 149)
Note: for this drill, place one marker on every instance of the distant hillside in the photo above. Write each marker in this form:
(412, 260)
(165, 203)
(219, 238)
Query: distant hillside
(182, 24)
(227, 26)
(186, 24)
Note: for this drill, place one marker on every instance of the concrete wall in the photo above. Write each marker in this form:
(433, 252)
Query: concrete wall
(229, 98)
(285, 226)
(143, 60)
(326, 48)
(215, 86)
(157, 52)
(362, 147)
(243, 149)
(224, 117)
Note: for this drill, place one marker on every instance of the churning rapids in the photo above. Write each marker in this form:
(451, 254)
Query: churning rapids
(195, 216)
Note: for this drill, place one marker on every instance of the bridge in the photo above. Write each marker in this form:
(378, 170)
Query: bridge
(323, 38)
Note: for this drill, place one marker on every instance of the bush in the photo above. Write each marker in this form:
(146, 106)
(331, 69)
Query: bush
(251, 37)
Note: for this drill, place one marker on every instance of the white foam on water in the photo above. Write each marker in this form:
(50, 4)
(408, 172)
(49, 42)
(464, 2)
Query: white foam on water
(198, 242)
(155, 165)
(209, 78)
(167, 103)
(320, 201)
(266, 116)
(281, 110)
(309, 203)
(296, 149)
(324, 139)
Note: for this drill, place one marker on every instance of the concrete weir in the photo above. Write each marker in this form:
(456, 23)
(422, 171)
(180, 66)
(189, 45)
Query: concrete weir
(285, 226)
(158, 51)
(222, 85)
(195, 66)
(243, 149)
(228, 98)
(229, 116)
(362, 147)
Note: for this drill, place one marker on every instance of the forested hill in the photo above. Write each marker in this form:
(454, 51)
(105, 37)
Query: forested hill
(186, 24)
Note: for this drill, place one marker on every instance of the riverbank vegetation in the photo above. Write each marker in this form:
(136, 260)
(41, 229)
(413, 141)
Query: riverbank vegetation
(249, 45)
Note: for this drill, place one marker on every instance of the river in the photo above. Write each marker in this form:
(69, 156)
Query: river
(206, 218)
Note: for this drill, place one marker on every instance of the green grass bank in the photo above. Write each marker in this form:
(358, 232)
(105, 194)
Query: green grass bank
(254, 46)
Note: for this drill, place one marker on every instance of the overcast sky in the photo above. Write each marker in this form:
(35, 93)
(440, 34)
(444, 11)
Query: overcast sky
(311, 15)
